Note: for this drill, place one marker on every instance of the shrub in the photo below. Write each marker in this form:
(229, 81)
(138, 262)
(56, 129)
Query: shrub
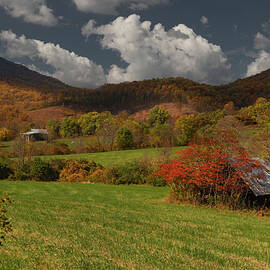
(78, 170)
(21, 172)
(131, 173)
(5, 222)
(98, 176)
(211, 172)
(42, 171)
(111, 175)
(124, 139)
(5, 169)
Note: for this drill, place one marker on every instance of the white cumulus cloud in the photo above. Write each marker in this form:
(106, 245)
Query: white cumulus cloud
(262, 59)
(261, 63)
(32, 11)
(154, 52)
(111, 6)
(68, 67)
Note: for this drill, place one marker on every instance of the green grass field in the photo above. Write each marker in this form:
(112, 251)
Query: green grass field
(80, 226)
(116, 158)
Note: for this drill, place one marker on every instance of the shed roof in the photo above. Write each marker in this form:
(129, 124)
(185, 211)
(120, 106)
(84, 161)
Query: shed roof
(259, 178)
(36, 131)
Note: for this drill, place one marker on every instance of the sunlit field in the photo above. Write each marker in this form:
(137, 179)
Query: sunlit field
(82, 226)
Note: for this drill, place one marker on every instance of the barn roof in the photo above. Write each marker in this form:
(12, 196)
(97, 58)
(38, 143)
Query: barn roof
(258, 179)
(36, 131)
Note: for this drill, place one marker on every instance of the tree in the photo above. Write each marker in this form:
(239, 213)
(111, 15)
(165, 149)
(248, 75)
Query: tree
(124, 139)
(69, 128)
(53, 127)
(21, 150)
(158, 116)
(88, 123)
(136, 130)
(5, 134)
(106, 133)
(185, 128)
(161, 135)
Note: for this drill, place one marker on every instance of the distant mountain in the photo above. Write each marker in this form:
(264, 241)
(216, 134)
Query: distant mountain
(28, 90)
(19, 75)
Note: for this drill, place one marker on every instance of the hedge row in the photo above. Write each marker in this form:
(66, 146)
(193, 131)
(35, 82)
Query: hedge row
(137, 173)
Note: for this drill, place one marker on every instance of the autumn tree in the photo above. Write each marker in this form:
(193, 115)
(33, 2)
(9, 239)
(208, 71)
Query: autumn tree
(69, 128)
(158, 116)
(124, 139)
(106, 133)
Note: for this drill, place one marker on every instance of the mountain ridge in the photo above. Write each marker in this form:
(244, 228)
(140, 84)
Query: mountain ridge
(130, 96)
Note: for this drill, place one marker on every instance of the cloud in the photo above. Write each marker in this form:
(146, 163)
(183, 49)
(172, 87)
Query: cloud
(204, 20)
(262, 59)
(261, 63)
(261, 42)
(31, 11)
(111, 6)
(151, 52)
(68, 67)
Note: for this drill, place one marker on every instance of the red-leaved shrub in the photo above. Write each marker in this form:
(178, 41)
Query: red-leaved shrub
(209, 172)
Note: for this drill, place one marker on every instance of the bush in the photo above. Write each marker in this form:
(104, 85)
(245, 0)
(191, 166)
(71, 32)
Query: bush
(5, 222)
(132, 173)
(42, 171)
(21, 172)
(78, 170)
(209, 173)
(5, 170)
(37, 170)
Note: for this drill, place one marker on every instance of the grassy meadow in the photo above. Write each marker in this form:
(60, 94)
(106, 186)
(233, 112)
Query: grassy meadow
(115, 158)
(81, 226)
(107, 159)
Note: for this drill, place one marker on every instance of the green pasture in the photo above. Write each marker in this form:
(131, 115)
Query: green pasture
(81, 226)
(116, 158)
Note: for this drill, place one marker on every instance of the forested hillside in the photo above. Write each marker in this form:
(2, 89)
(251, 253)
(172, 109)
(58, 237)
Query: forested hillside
(22, 90)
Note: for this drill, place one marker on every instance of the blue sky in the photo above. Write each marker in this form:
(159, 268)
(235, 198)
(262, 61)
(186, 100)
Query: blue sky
(88, 43)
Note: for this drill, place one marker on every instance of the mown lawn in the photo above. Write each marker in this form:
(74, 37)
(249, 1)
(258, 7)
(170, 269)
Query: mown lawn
(116, 158)
(80, 226)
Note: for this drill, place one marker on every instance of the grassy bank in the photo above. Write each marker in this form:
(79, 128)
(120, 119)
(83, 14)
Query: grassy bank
(77, 226)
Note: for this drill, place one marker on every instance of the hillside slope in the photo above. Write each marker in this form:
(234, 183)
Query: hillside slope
(23, 90)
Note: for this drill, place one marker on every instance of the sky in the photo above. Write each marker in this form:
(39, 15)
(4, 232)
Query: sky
(88, 43)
